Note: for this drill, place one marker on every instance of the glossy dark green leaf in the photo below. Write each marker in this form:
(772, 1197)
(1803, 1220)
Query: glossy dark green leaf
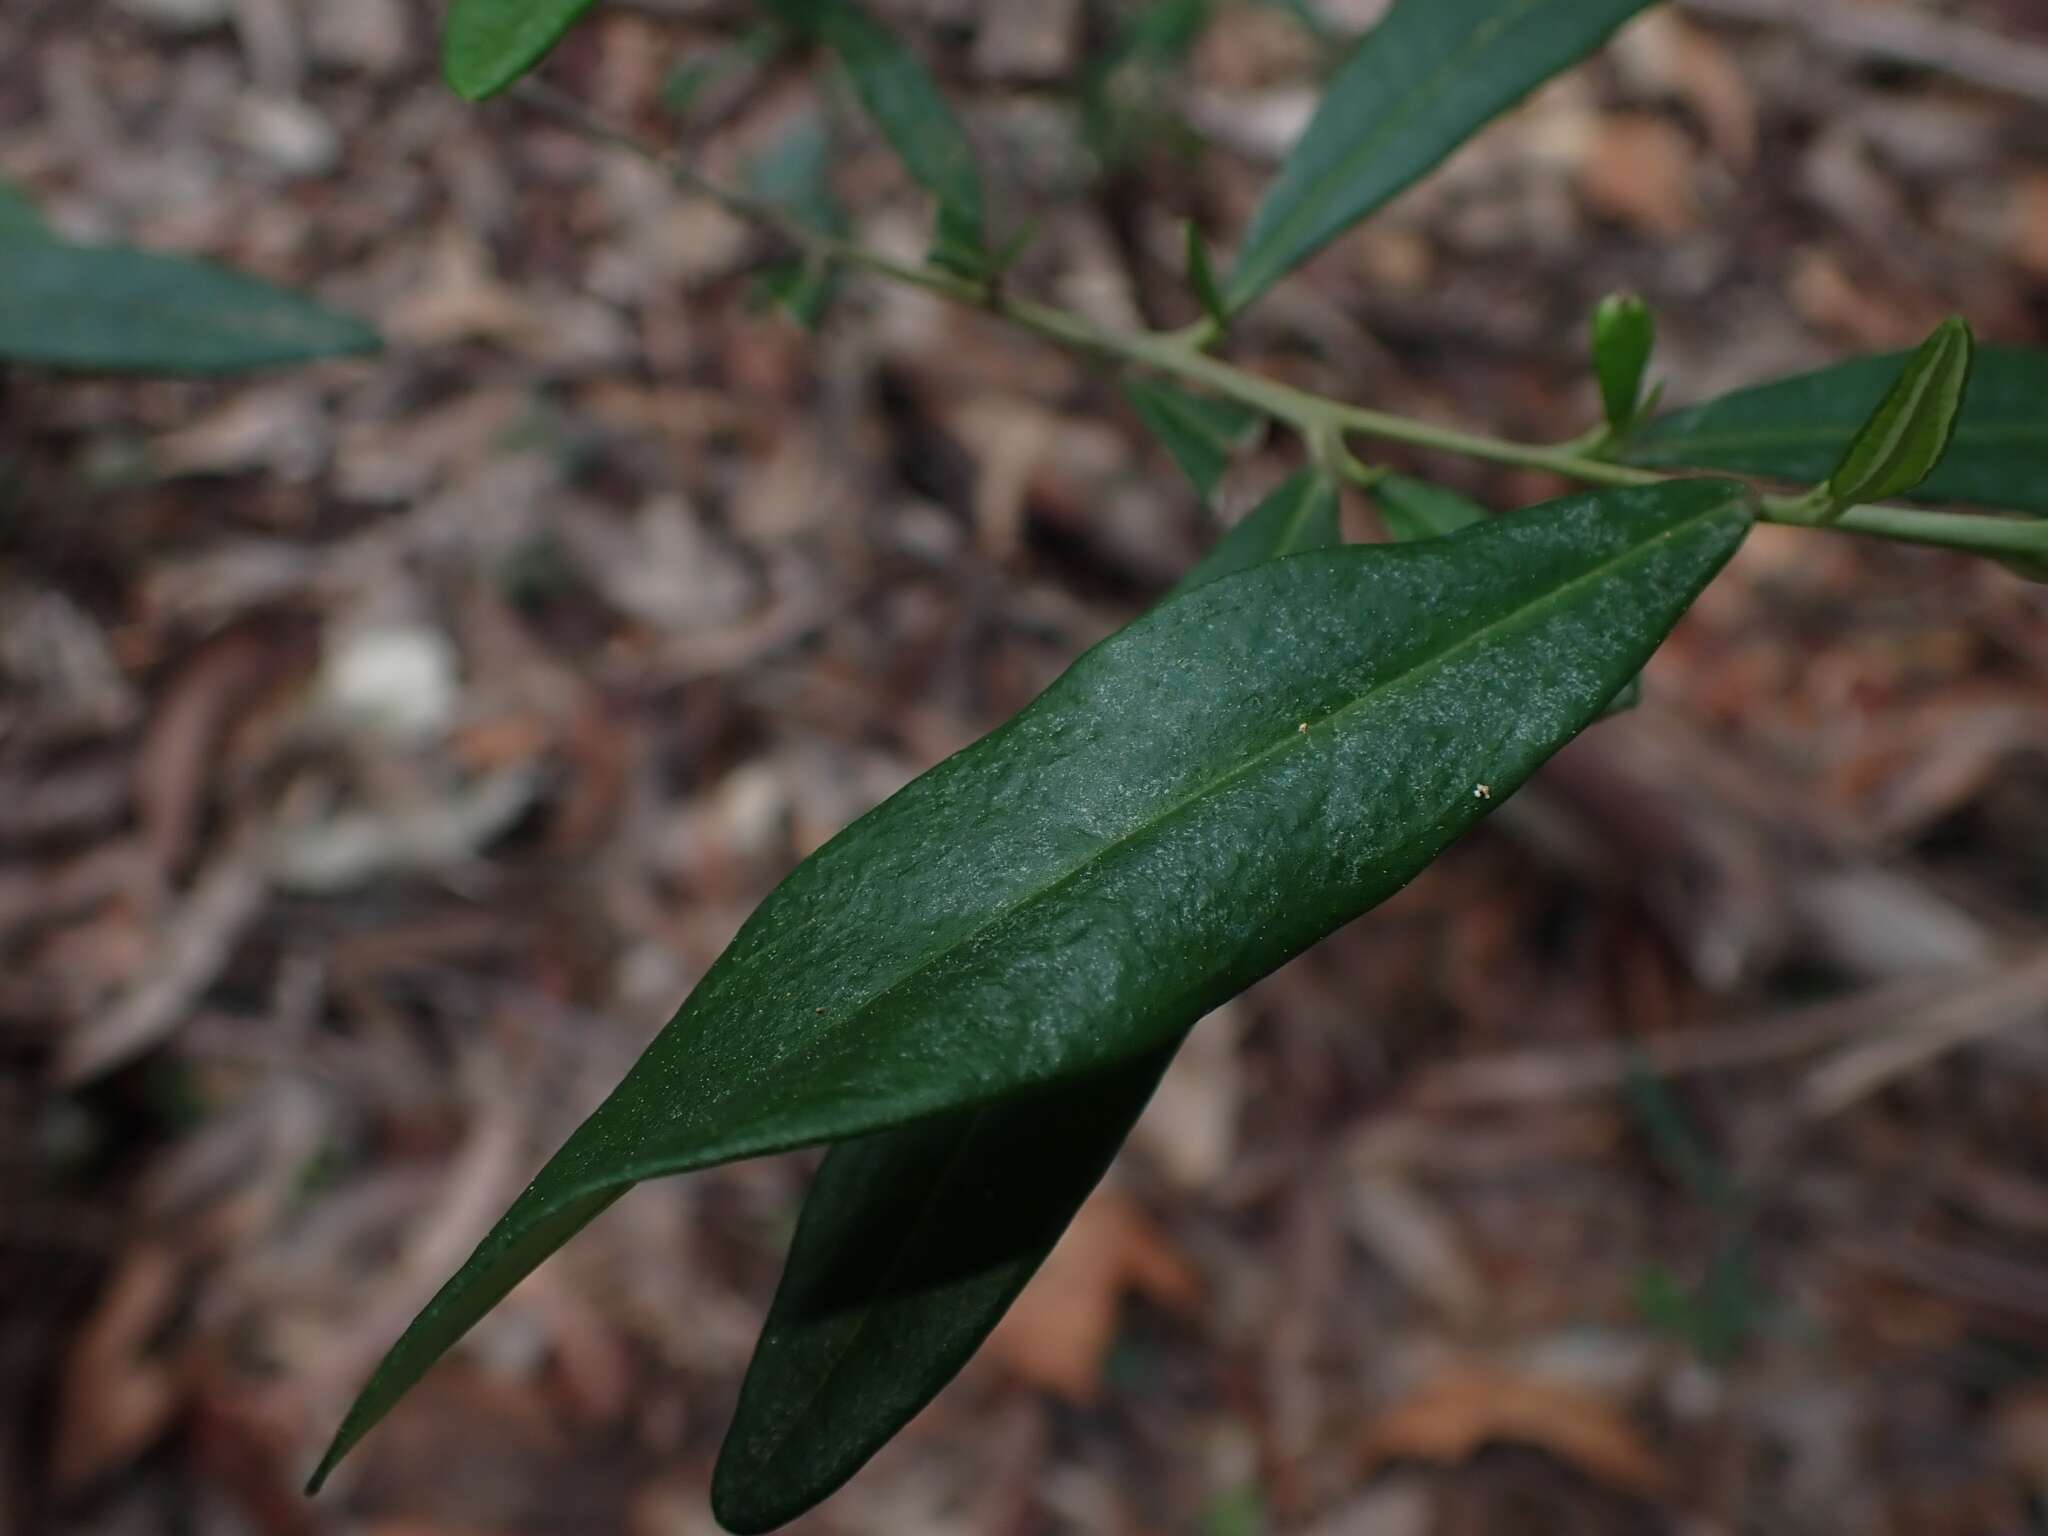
(1417, 86)
(1624, 333)
(491, 43)
(1195, 801)
(906, 105)
(1415, 509)
(1798, 429)
(914, 1242)
(115, 310)
(1202, 433)
(1909, 433)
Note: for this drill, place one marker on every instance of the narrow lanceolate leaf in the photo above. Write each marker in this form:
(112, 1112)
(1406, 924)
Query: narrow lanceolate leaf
(914, 1242)
(1418, 85)
(907, 106)
(1624, 332)
(1194, 802)
(1415, 509)
(111, 309)
(491, 43)
(911, 1247)
(1202, 433)
(1798, 429)
(1909, 433)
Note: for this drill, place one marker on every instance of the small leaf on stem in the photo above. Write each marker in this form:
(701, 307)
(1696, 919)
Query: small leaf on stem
(1912, 427)
(1415, 509)
(907, 106)
(1624, 331)
(1202, 433)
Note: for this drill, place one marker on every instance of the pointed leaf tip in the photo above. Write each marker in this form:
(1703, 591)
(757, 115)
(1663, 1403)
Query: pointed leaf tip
(488, 44)
(115, 309)
(1903, 441)
(1420, 83)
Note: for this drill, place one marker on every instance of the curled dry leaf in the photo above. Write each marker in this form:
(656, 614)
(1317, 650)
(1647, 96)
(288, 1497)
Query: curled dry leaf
(1467, 1407)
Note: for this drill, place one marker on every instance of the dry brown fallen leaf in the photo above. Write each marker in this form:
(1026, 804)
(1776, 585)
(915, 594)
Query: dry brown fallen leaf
(1640, 169)
(2027, 224)
(115, 1396)
(1059, 1333)
(1466, 1407)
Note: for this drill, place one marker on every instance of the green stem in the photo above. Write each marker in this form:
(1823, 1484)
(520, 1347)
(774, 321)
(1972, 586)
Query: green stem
(1320, 421)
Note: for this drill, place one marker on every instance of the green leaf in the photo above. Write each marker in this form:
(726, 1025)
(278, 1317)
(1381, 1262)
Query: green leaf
(2029, 567)
(491, 43)
(1202, 278)
(911, 1247)
(1300, 515)
(116, 310)
(914, 1242)
(1416, 87)
(1203, 434)
(1908, 434)
(796, 176)
(1194, 802)
(1624, 332)
(907, 106)
(1123, 90)
(1798, 429)
(1415, 509)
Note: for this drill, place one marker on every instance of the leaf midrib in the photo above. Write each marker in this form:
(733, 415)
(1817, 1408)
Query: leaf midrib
(1432, 89)
(1899, 437)
(635, 1171)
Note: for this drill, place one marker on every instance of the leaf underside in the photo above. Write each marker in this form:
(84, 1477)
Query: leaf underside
(1195, 801)
(1201, 432)
(1798, 429)
(491, 43)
